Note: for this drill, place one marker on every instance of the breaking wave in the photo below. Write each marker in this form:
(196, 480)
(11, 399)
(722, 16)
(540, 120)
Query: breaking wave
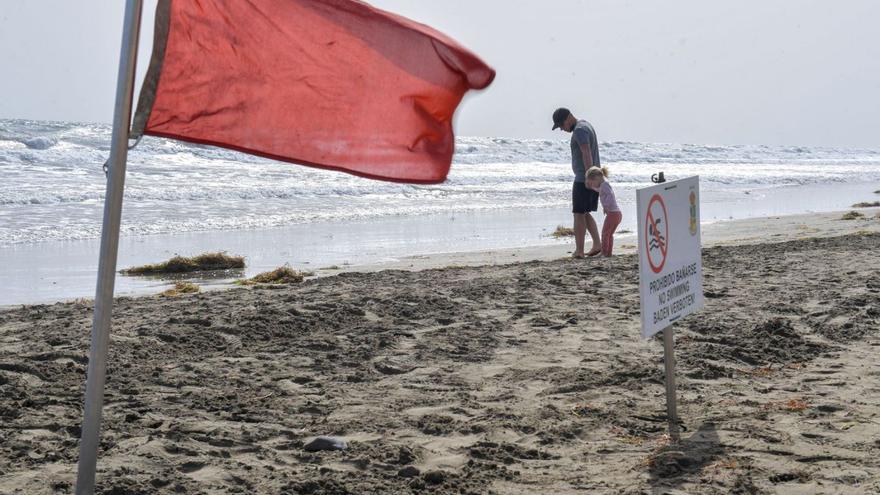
(53, 183)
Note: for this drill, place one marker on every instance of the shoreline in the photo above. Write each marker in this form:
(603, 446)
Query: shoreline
(714, 233)
(719, 233)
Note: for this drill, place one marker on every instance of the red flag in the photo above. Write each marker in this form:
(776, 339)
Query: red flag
(336, 84)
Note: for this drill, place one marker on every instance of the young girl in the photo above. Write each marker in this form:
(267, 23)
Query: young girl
(596, 181)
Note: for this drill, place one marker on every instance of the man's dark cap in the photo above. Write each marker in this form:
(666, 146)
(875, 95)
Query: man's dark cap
(559, 117)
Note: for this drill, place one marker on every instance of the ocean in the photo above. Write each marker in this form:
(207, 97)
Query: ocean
(500, 193)
(53, 183)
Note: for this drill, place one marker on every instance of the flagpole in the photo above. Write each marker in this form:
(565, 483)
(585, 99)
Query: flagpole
(94, 400)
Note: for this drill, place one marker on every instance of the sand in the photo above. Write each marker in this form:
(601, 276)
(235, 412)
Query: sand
(520, 378)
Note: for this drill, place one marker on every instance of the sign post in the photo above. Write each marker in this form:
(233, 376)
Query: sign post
(670, 267)
(669, 361)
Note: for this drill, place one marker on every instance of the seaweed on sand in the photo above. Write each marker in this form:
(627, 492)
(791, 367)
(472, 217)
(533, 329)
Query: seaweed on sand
(202, 263)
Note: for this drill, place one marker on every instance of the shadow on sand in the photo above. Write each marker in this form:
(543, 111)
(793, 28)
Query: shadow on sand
(677, 464)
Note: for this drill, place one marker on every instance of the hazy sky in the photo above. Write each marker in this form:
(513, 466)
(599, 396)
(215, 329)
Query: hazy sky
(693, 71)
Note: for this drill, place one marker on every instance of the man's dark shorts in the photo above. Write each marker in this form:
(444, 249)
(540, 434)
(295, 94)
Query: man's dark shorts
(583, 200)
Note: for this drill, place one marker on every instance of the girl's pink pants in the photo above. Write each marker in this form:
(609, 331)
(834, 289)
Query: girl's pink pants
(612, 220)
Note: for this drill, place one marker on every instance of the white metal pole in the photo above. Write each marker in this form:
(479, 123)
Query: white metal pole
(94, 400)
(669, 358)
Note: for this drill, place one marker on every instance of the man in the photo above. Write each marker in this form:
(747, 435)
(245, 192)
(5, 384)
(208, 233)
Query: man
(584, 154)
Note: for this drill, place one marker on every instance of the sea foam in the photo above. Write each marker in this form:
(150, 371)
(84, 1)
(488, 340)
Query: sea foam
(53, 183)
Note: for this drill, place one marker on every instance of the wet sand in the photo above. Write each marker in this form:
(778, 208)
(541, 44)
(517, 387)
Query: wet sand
(52, 271)
(521, 378)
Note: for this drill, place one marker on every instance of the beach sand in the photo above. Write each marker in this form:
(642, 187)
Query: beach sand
(520, 378)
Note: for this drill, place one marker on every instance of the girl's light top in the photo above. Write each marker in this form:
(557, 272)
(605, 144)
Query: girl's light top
(606, 196)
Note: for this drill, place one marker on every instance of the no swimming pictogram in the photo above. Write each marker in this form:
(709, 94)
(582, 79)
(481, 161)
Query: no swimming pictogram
(657, 233)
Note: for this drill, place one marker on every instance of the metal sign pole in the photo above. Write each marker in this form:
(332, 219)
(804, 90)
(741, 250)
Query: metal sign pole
(94, 400)
(669, 358)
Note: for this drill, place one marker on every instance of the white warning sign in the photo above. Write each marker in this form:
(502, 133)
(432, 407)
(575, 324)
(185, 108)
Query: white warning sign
(670, 262)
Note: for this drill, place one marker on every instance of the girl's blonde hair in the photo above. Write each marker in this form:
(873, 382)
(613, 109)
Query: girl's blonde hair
(596, 172)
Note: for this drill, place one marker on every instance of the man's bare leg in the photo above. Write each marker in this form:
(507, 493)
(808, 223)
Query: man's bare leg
(580, 231)
(594, 234)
